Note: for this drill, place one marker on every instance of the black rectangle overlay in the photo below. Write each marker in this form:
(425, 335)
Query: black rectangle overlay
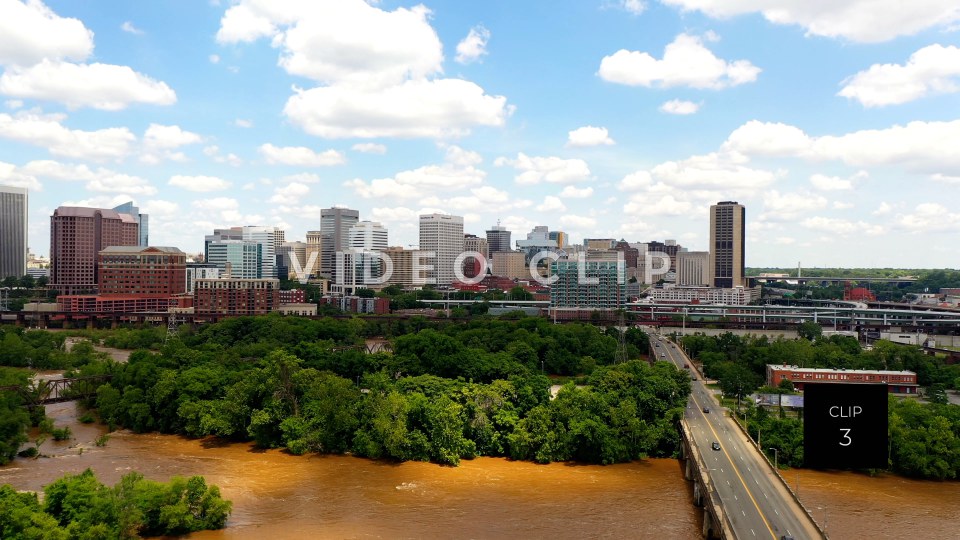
(845, 426)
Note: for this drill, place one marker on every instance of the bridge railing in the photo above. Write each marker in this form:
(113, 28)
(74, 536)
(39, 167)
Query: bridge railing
(44, 391)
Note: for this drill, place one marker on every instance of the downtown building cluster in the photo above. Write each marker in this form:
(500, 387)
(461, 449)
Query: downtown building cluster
(101, 260)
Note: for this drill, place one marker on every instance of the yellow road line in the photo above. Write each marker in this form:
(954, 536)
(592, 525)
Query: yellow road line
(737, 472)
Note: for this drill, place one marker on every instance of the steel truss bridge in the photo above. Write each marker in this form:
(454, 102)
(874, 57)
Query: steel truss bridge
(43, 391)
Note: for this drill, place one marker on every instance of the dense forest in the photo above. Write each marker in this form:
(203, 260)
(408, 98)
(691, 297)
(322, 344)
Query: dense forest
(924, 437)
(927, 281)
(80, 507)
(447, 391)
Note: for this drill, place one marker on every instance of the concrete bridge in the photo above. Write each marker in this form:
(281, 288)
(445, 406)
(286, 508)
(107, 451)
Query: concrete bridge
(704, 494)
(742, 494)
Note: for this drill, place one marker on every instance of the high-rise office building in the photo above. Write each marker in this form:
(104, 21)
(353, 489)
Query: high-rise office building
(368, 240)
(472, 242)
(403, 267)
(264, 236)
(693, 268)
(442, 235)
(237, 258)
(727, 238)
(293, 251)
(77, 235)
(313, 256)
(603, 286)
(335, 226)
(13, 231)
(143, 220)
(669, 247)
(498, 239)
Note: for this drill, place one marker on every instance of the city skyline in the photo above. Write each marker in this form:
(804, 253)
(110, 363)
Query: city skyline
(603, 119)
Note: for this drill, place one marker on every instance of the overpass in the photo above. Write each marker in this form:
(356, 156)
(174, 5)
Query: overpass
(743, 496)
(832, 279)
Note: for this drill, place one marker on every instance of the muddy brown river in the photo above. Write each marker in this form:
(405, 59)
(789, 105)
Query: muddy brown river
(279, 496)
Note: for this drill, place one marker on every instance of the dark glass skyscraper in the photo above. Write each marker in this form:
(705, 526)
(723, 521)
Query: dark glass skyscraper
(13, 231)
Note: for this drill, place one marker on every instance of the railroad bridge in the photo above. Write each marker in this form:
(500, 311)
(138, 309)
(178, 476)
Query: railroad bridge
(43, 391)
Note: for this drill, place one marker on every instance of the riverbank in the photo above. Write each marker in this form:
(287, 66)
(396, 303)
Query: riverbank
(316, 496)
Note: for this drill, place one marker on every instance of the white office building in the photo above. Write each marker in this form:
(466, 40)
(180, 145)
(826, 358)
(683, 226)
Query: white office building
(442, 235)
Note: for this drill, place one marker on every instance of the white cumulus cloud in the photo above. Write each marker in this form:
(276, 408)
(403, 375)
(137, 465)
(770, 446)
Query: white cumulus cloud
(36, 46)
(686, 62)
(11, 175)
(458, 172)
(99, 86)
(129, 28)
(867, 21)
(589, 136)
(835, 183)
(552, 204)
(842, 227)
(378, 72)
(416, 108)
(535, 169)
(474, 46)
(931, 70)
(635, 7)
(369, 148)
(572, 192)
(31, 32)
(292, 193)
(790, 206)
(679, 106)
(45, 130)
(929, 217)
(199, 184)
(300, 156)
(919, 146)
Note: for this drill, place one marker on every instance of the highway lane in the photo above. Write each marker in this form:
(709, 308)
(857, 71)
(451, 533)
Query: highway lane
(754, 500)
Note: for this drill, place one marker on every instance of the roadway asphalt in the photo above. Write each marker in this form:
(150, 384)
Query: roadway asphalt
(753, 498)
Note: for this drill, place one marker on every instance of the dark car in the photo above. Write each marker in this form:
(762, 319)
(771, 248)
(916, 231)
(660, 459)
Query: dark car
(715, 445)
(706, 409)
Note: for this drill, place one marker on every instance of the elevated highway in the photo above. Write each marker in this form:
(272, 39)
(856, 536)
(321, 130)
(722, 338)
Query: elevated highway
(752, 499)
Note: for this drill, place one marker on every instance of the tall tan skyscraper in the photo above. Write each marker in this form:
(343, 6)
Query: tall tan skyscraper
(727, 238)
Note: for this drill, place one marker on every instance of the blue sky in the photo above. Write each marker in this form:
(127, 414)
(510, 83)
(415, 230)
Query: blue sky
(837, 124)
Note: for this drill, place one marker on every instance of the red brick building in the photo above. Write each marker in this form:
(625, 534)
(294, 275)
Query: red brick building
(293, 296)
(898, 382)
(118, 303)
(142, 271)
(77, 235)
(229, 296)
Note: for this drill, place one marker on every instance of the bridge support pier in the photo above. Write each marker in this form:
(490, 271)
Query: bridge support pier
(709, 528)
(697, 494)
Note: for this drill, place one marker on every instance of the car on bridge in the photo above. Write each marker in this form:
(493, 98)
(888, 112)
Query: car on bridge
(715, 445)
(706, 409)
